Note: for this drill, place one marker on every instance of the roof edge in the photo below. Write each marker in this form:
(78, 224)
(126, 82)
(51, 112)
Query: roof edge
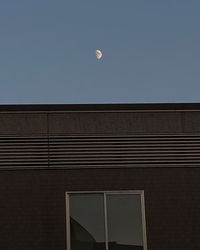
(99, 107)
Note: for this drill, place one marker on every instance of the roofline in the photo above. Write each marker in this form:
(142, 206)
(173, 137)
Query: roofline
(100, 107)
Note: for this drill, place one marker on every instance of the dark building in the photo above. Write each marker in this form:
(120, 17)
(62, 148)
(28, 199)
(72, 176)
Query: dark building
(100, 177)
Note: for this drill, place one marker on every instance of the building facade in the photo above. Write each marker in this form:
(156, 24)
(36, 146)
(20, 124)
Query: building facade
(94, 177)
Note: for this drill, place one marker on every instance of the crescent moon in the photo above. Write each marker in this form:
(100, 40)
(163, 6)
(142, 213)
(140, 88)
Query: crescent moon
(98, 54)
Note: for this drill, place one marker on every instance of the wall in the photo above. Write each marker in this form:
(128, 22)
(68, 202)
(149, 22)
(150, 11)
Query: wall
(32, 209)
(32, 201)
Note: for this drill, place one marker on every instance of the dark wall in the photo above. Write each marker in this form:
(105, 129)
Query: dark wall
(32, 202)
(113, 122)
(32, 208)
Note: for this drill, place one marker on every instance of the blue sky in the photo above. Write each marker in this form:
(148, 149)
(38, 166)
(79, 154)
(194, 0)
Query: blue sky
(151, 51)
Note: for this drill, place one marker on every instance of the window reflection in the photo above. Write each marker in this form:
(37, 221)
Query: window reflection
(87, 229)
(124, 222)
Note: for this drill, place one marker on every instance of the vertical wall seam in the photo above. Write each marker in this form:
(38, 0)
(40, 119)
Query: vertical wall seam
(48, 161)
(106, 221)
(183, 121)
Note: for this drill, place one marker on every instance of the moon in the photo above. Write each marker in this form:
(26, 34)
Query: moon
(98, 54)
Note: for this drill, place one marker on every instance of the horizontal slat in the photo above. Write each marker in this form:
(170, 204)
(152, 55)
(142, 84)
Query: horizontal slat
(124, 150)
(24, 151)
(91, 151)
(120, 162)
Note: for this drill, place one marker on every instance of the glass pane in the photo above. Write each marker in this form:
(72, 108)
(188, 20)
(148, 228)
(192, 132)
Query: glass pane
(87, 230)
(124, 222)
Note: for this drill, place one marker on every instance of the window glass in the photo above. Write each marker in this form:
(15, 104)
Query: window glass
(106, 221)
(87, 229)
(124, 222)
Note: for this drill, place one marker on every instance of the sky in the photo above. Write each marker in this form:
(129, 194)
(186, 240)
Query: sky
(151, 51)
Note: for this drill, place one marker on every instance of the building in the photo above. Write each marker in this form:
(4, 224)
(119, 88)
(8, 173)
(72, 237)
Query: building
(94, 177)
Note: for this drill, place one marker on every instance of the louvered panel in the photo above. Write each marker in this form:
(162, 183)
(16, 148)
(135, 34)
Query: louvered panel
(100, 151)
(148, 150)
(23, 152)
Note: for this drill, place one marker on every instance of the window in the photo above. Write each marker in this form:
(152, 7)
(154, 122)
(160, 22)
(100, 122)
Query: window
(105, 220)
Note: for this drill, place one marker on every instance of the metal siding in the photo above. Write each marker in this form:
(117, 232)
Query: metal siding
(160, 140)
(100, 151)
(33, 210)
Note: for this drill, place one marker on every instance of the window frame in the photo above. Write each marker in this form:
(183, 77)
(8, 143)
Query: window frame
(104, 193)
